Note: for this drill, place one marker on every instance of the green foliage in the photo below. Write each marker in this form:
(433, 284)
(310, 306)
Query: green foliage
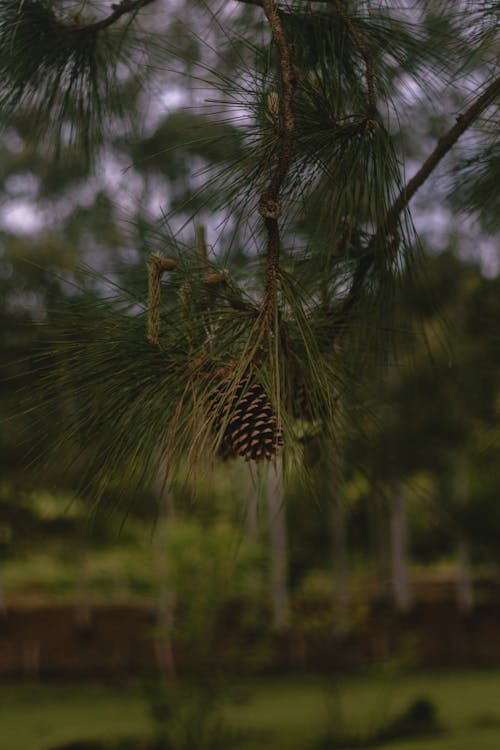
(126, 403)
(61, 70)
(184, 135)
(477, 177)
(212, 570)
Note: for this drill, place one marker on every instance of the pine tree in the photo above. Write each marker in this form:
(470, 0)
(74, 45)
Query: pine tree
(249, 346)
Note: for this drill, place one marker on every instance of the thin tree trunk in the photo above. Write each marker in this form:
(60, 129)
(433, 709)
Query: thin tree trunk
(464, 578)
(165, 606)
(379, 528)
(398, 521)
(3, 598)
(31, 660)
(251, 499)
(464, 582)
(277, 547)
(340, 566)
(401, 589)
(340, 573)
(83, 605)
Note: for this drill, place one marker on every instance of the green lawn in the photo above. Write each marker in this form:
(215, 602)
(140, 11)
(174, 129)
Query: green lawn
(286, 713)
(38, 717)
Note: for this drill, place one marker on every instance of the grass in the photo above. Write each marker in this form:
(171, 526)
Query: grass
(37, 717)
(276, 713)
(296, 711)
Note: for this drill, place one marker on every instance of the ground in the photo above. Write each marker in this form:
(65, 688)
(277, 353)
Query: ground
(273, 713)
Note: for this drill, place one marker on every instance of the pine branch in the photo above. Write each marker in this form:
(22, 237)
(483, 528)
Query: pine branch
(64, 74)
(390, 225)
(359, 43)
(259, 3)
(119, 10)
(443, 146)
(269, 204)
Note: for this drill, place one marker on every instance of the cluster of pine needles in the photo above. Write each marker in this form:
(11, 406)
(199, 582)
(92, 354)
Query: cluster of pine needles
(223, 377)
(208, 389)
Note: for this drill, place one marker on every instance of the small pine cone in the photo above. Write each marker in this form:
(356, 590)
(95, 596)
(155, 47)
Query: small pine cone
(251, 429)
(273, 104)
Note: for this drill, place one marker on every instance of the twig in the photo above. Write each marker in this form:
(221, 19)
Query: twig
(389, 227)
(163, 264)
(157, 266)
(154, 299)
(269, 205)
(120, 9)
(259, 3)
(365, 54)
(201, 242)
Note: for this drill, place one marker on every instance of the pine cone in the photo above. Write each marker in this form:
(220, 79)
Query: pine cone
(251, 429)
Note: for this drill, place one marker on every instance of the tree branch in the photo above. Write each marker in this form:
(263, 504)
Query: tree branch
(269, 205)
(120, 9)
(359, 43)
(259, 3)
(390, 225)
(443, 146)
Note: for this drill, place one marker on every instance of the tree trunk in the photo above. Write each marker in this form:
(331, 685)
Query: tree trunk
(464, 583)
(401, 590)
(340, 573)
(380, 548)
(166, 597)
(3, 598)
(251, 499)
(464, 578)
(277, 546)
(83, 604)
(340, 566)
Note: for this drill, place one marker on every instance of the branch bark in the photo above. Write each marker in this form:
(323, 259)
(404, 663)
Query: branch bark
(390, 224)
(259, 3)
(269, 205)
